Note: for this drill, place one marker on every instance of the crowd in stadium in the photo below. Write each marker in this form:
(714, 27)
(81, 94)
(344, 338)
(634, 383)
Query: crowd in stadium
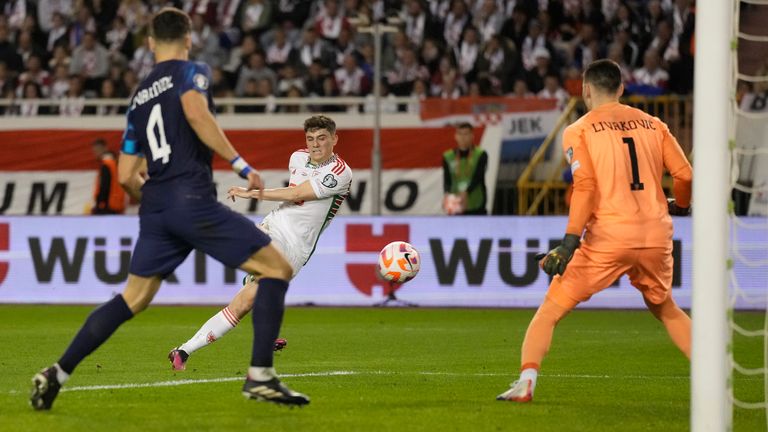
(69, 50)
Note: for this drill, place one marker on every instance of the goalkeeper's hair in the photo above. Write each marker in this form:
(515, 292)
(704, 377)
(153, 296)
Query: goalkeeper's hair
(604, 74)
(318, 122)
(170, 24)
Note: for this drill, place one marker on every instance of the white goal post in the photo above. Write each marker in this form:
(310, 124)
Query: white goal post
(710, 370)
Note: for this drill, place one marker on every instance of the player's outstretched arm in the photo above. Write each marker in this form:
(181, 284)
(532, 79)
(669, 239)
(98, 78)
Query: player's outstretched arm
(302, 192)
(195, 106)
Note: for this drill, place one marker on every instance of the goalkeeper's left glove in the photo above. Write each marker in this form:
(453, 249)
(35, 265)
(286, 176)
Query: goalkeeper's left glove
(558, 258)
(676, 210)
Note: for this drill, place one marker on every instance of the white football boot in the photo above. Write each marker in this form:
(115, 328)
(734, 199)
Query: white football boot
(520, 391)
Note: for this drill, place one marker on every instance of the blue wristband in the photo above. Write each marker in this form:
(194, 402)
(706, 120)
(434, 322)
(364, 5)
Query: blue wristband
(240, 166)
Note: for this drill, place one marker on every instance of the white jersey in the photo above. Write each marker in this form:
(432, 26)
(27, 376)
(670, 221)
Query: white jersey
(296, 226)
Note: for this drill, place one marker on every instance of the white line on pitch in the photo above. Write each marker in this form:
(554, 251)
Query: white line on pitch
(341, 373)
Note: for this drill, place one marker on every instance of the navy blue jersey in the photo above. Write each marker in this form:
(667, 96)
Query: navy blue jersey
(179, 164)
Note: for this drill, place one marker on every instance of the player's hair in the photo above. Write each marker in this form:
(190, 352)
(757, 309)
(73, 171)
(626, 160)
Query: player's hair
(317, 122)
(464, 125)
(604, 74)
(170, 24)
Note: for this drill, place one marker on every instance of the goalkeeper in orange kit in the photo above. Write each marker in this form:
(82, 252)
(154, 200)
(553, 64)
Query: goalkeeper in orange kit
(619, 219)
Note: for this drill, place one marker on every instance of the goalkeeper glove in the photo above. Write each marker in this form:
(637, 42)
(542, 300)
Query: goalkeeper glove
(676, 210)
(558, 258)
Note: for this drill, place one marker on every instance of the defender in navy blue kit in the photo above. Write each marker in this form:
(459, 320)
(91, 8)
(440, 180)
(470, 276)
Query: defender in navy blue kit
(172, 134)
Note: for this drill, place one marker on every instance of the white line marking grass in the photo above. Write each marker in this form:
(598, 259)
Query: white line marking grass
(511, 375)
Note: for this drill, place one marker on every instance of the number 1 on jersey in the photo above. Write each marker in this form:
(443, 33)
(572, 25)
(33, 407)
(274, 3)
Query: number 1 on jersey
(161, 149)
(635, 185)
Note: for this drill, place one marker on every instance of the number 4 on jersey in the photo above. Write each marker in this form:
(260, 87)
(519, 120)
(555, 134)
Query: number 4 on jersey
(159, 148)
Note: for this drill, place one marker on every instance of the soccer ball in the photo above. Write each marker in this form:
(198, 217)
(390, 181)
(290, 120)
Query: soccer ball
(399, 262)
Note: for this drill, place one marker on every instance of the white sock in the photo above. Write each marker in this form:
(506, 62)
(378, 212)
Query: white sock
(261, 373)
(213, 329)
(61, 376)
(530, 374)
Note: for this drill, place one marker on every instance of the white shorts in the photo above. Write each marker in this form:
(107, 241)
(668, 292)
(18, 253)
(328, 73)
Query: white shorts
(281, 244)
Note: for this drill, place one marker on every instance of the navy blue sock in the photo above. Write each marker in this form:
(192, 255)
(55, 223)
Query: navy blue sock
(98, 327)
(267, 316)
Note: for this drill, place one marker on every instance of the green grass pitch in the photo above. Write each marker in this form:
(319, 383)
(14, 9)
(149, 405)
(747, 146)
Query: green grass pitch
(365, 370)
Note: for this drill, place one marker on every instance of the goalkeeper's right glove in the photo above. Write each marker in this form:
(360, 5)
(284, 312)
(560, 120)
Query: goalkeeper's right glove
(558, 258)
(676, 210)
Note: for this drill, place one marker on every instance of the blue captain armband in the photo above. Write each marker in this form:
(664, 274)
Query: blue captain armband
(240, 166)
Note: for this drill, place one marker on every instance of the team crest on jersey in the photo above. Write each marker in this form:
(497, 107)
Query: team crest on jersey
(330, 181)
(201, 81)
(569, 154)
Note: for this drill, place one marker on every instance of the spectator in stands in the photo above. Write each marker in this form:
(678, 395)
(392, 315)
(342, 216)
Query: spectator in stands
(630, 52)
(257, 69)
(289, 79)
(344, 46)
(388, 102)
(108, 195)
(450, 88)
(535, 76)
(60, 58)
(534, 42)
(91, 61)
(553, 90)
(47, 9)
(445, 71)
(666, 44)
(417, 22)
(312, 47)
(73, 103)
(467, 52)
(314, 79)
(419, 93)
(350, 79)
(330, 21)
(616, 53)
(455, 21)
(134, 13)
(256, 16)
(250, 90)
(293, 92)
(108, 90)
(624, 20)
(464, 169)
(587, 47)
(57, 36)
(280, 52)
(35, 73)
(205, 43)
(220, 85)
(395, 50)
(406, 71)
(239, 56)
(651, 79)
(39, 39)
(8, 54)
(129, 82)
(653, 15)
(60, 84)
(488, 20)
(119, 40)
(515, 28)
(26, 48)
(520, 90)
(430, 55)
(31, 108)
(497, 66)
(83, 24)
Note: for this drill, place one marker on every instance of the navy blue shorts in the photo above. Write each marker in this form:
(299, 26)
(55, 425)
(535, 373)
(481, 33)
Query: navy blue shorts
(168, 236)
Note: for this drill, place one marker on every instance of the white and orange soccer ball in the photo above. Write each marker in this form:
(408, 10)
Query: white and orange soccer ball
(399, 262)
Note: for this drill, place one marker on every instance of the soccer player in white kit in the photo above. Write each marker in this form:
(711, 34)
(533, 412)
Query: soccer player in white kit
(319, 183)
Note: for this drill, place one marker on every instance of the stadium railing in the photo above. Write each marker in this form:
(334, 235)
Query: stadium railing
(548, 196)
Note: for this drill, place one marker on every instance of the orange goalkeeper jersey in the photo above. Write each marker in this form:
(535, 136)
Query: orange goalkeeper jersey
(617, 155)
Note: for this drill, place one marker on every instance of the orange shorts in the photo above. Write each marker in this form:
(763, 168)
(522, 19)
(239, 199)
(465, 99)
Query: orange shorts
(591, 271)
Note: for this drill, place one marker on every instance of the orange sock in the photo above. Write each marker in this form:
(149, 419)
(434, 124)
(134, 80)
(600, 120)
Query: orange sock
(539, 334)
(676, 321)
